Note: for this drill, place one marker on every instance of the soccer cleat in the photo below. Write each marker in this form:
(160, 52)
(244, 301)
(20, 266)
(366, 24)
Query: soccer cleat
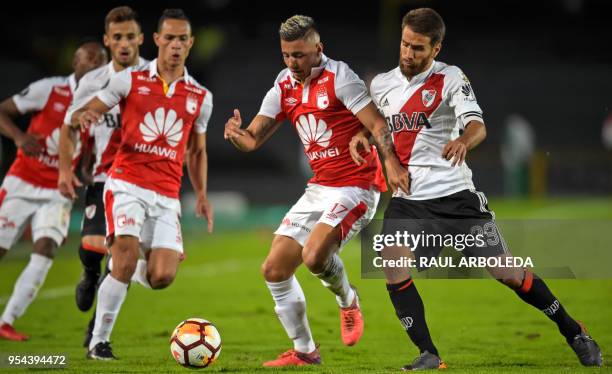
(8, 332)
(295, 358)
(102, 351)
(86, 291)
(351, 322)
(425, 361)
(586, 348)
(89, 331)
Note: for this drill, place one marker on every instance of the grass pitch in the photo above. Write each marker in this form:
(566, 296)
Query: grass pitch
(479, 326)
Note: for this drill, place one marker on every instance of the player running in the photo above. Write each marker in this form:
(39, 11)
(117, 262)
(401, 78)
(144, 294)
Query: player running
(327, 104)
(164, 112)
(123, 37)
(427, 105)
(29, 191)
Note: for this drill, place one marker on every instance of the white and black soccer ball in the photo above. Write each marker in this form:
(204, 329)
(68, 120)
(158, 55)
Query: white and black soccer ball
(195, 343)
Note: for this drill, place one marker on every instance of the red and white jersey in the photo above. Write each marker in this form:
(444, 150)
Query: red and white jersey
(48, 99)
(156, 122)
(322, 110)
(424, 114)
(106, 135)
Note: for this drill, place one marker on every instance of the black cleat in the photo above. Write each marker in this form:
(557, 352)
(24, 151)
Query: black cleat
(89, 331)
(425, 361)
(86, 291)
(102, 351)
(586, 348)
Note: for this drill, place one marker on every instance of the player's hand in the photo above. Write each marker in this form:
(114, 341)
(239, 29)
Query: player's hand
(89, 118)
(66, 184)
(397, 175)
(204, 209)
(359, 142)
(29, 144)
(455, 150)
(232, 127)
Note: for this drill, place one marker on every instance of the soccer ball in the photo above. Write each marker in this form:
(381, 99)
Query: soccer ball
(195, 343)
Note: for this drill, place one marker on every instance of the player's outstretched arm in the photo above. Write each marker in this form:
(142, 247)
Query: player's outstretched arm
(475, 132)
(197, 168)
(89, 114)
(397, 176)
(67, 181)
(25, 141)
(251, 138)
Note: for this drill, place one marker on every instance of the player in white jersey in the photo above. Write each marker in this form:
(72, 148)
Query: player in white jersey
(123, 37)
(435, 119)
(29, 194)
(327, 104)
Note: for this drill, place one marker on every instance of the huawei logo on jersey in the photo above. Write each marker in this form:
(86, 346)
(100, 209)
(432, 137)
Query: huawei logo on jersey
(162, 125)
(52, 146)
(313, 132)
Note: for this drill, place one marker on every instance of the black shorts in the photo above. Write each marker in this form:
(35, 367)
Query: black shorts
(93, 217)
(462, 216)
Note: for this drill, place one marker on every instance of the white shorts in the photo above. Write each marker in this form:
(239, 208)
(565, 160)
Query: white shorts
(350, 207)
(47, 211)
(153, 218)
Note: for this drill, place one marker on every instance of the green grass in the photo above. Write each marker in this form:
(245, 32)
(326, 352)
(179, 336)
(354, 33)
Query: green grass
(479, 326)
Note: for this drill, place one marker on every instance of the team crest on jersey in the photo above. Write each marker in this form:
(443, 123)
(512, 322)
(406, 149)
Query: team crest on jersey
(191, 105)
(59, 107)
(322, 98)
(428, 97)
(61, 91)
(90, 211)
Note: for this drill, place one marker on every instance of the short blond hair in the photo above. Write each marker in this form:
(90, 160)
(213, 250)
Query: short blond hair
(299, 27)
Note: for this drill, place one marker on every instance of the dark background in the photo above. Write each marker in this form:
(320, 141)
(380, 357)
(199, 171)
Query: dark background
(549, 61)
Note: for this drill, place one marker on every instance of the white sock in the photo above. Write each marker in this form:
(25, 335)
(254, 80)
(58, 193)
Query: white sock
(335, 279)
(140, 274)
(26, 287)
(291, 311)
(110, 298)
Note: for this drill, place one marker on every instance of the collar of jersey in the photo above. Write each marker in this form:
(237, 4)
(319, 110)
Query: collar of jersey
(72, 83)
(314, 72)
(141, 62)
(153, 72)
(419, 78)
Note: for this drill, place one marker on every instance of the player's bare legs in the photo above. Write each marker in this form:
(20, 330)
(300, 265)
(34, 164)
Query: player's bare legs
(3, 252)
(290, 303)
(162, 266)
(410, 309)
(320, 255)
(27, 286)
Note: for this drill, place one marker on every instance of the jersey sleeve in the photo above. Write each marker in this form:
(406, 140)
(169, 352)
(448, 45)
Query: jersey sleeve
(117, 89)
(84, 92)
(201, 123)
(462, 98)
(350, 89)
(271, 104)
(34, 97)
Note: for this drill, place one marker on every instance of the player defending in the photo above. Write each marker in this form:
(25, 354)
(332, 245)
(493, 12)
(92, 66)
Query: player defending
(327, 104)
(426, 103)
(29, 191)
(164, 111)
(123, 37)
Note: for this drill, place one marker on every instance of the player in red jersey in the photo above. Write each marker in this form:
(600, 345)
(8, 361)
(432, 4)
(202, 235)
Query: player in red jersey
(164, 112)
(29, 191)
(326, 103)
(432, 111)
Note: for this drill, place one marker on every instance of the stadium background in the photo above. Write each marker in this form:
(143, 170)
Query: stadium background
(548, 62)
